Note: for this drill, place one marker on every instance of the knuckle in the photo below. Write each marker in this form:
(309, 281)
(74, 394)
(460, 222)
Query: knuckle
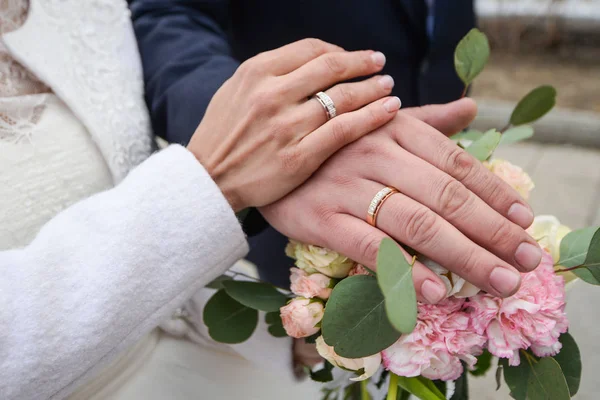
(263, 100)
(368, 246)
(501, 233)
(421, 226)
(460, 164)
(467, 265)
(340, 130)
(315, 46)
(347, 97)
(250, 66)
(291, 161)
(454, 198)
(334, 63)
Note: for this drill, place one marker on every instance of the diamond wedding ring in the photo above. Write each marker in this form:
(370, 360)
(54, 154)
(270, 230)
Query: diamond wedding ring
(327, 104)
(377, 202)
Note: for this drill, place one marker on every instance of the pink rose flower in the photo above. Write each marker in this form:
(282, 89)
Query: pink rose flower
(368, 365)
(358, 270)
(310, 285)
(513, 175)
(300, 317)
(534, 317)
(442, 338)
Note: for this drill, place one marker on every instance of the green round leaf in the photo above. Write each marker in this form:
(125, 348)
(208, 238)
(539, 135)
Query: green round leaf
(517, 134)
(217, 283)
(355, 322)
(394, 275)
(273, 319)
(257, 295)
(534, 105)
(471, 55)
(574, 246)
(569, 360)
(227, 320)
(536, 379)
(483, 148)
(471, 135)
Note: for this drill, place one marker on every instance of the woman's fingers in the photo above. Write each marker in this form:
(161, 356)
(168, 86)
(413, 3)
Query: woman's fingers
(457, 163)
(458, 205)
(329, 69)
(346, 128)
(290, 57)
(359, 241)
(346, 97)
(447, 118)
(417, 226)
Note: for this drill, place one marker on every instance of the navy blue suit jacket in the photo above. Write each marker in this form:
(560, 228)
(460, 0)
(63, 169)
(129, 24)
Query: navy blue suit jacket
(190, 47)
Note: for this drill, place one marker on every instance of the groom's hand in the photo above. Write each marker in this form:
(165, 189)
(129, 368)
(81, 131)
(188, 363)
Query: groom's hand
(450, 207)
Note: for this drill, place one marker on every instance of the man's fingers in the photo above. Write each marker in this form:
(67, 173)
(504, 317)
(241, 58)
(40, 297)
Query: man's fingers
(290, 57)
(447, 118)
(360, 241)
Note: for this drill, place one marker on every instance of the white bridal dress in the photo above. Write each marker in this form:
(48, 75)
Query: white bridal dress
(48, 161)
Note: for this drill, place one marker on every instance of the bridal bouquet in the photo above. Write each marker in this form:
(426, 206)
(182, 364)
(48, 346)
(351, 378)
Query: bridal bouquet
(369, 323)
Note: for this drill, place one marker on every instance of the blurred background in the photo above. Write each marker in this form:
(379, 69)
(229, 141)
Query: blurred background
(556, 42)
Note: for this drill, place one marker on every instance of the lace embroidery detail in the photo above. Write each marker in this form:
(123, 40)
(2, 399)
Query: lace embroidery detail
(19, 116)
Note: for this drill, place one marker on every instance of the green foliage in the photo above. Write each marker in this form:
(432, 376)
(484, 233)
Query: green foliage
(420, 387)
(217, 283)
(273, 319)
(471, 55)
(355, 322)
(227, 320)
(324, 374)
(536, 379)
(471, 135)
(534, 105)
(483, 147)
(569, 360)
(461, 388)
(484, 362)
(582, 248)
(394, 275)
(517, 134)
(257, 295)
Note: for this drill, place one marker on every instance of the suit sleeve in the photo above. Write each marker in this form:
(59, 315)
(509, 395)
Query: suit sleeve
(108, 270)
(186, 58)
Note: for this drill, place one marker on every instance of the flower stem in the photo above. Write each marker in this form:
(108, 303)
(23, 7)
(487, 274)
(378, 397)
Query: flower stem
(464, 93)
(568, 269)
(393, 387)
(364, 393)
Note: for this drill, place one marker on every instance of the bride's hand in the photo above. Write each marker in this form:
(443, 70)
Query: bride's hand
(263, 134)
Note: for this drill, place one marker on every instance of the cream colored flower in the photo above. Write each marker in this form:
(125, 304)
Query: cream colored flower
(549, 232)
(513, 175)
(318, 259)
(455, 285)
(367, 365)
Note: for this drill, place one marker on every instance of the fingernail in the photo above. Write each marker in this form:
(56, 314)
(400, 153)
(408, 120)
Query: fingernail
(528, 256)
(433, 292)
(386, 82)
(504, 281)
(520, 215)
(392, 104)
(378, 58)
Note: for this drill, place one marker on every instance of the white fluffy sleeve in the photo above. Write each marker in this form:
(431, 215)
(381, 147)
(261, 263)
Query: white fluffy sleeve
(108, 270)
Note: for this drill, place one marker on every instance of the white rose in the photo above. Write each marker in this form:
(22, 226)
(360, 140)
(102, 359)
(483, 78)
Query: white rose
(318, 259)
(455, 285)
(549, 232)
(369, 365)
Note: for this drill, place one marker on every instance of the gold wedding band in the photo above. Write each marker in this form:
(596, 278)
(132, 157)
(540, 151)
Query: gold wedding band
(377, 202)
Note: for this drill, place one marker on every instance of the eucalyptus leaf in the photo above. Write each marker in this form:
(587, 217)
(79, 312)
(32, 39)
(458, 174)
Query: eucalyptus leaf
(471, 55)
(534, 105)
(536, 379)
(324, 374)
(483, 148)
(461, 387)
(420, 387)
(592, 260)
(484, 362)
(355, 322)
(273, 319)
(471, 134)
(257, 295)
(227, 320)
(394, 275)
(217, 283)
(517, 134)
(574, 247)
(569, 360)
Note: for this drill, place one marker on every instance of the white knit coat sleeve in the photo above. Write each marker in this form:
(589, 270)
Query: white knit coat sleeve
(108, 270)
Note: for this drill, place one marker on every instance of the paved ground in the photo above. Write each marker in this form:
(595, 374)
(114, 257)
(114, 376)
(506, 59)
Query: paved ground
(568, 186)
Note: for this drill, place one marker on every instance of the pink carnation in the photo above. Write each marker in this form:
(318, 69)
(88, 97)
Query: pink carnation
(358, 270)
(301, 316)
(534, 317)
(310, 285)
(441, 339)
